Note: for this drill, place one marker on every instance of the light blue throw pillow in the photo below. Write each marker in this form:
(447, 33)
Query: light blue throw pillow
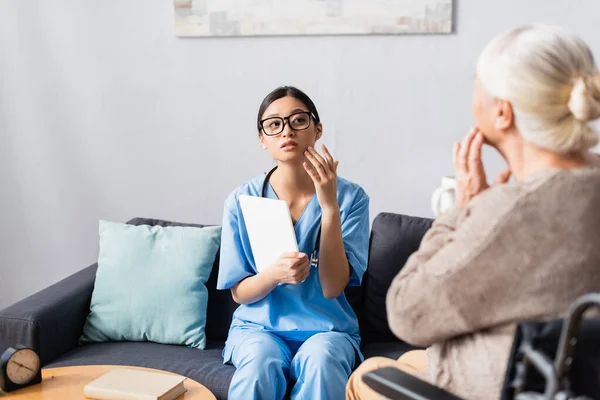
(150, 284)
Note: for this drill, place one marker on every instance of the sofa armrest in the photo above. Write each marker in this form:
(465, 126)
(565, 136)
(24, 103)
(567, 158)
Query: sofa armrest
(397, 385)
(51, 320)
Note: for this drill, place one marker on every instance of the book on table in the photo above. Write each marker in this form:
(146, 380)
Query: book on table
(133, 384)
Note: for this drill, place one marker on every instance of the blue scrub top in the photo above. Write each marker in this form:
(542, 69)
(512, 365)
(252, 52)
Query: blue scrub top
(296, 312)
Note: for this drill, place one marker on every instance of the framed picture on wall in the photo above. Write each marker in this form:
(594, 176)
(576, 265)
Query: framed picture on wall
(311, 17)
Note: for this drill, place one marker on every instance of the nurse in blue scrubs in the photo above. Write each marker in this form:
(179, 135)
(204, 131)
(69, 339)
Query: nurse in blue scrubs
(294, 324)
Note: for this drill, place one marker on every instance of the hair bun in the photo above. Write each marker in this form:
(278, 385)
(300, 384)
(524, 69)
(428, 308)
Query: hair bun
(584, 102)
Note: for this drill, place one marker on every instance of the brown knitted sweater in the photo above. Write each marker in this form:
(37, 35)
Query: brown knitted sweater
(517, 251)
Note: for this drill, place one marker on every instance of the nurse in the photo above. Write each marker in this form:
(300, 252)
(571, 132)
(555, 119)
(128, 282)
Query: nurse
(294, 325)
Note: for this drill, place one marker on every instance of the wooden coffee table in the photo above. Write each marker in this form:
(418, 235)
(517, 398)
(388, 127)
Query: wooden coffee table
(68, 382)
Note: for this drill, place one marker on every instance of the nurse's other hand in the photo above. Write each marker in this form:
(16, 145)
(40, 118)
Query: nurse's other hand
(323, 172)
(291, 268)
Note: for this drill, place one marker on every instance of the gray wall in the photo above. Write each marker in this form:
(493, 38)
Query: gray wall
(105, 114)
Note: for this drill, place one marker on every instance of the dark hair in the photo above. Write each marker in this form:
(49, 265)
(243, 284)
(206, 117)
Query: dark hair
(285, 91)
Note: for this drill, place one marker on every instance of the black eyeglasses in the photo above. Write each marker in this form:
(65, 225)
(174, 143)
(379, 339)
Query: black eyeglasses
(297, 121)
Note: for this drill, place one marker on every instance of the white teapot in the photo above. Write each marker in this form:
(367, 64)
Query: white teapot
(444, 197)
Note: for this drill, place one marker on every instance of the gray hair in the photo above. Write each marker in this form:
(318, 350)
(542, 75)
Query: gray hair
(551, 80)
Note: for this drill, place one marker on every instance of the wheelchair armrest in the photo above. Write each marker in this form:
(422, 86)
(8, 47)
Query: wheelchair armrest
(397, 385)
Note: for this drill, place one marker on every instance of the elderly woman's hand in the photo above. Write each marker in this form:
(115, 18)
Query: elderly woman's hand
(470, 174)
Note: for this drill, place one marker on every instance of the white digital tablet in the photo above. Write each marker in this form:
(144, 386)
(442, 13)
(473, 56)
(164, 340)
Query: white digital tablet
(270, 229)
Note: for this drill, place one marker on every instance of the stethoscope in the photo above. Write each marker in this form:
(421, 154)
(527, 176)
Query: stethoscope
(314, 260)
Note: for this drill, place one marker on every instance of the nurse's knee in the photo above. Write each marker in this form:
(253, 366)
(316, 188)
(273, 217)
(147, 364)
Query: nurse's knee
(262, 366)
(261, 349)
(327, 351)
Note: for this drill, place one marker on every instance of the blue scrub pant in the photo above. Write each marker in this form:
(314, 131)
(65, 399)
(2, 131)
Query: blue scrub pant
(320, 367)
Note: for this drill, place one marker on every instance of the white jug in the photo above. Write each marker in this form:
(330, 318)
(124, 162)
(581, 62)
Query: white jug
(444, 196)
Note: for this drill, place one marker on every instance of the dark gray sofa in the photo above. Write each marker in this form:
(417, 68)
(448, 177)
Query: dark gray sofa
(52, 320)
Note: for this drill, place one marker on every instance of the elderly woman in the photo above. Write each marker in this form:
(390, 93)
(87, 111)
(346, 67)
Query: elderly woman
(522, 250)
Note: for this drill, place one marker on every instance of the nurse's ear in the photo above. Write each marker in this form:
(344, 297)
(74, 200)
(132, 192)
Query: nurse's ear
(262, 141)
(319, 129)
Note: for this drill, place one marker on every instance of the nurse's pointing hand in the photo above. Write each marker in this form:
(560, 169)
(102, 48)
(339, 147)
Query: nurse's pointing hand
(323, 171)
(291, 268)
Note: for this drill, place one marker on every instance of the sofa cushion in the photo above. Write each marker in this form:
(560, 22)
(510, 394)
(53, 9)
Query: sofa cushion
(150, 284)
(394, 238)
(204, 366)
(220, 303)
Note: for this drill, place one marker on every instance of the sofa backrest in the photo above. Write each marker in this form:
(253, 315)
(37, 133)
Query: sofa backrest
(394, 237)
(220, 308)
